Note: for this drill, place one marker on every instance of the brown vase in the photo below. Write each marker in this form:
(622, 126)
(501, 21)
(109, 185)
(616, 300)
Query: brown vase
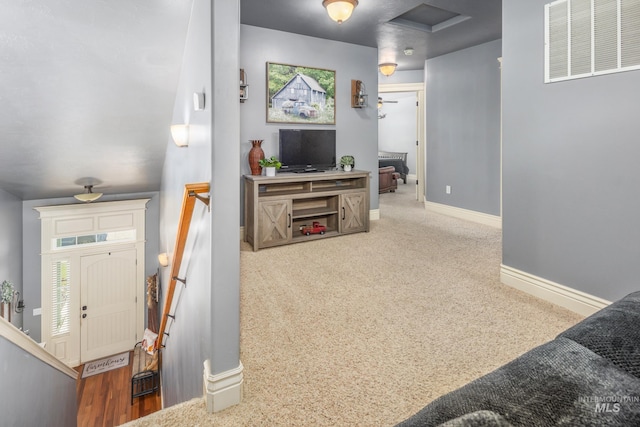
(255, 155)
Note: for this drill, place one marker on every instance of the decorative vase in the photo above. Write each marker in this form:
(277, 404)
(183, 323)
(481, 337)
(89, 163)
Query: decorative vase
(271, 170)
(347, 168)
(255, 155)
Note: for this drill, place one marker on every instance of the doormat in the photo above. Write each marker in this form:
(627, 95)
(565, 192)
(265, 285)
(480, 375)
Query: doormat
(104, 365)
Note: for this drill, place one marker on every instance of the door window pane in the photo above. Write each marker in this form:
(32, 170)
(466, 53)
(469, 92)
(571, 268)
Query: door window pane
(60, 298)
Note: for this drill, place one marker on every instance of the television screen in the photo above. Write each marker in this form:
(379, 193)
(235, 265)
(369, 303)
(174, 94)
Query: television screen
(307, 149)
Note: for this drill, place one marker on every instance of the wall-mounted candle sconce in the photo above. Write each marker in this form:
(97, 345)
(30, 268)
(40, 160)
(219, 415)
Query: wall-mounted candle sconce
(358, 94)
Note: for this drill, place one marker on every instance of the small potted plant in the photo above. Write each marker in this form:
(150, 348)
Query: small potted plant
(347, 163)
(271, 164)
(6, 292)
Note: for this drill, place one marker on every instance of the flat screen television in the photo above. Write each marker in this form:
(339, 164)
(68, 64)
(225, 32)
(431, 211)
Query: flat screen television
(307, 150)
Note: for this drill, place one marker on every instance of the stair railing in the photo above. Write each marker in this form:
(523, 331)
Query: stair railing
(191, 194)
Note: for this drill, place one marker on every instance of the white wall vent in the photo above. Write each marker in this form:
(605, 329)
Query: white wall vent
(590, 37)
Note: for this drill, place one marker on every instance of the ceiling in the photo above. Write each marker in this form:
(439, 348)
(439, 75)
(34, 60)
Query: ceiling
(431, 27)
(87, 87)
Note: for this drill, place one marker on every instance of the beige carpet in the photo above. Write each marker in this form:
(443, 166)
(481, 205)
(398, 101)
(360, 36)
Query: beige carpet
(364, 330)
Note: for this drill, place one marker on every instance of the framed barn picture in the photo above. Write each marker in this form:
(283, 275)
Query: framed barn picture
(297, 94)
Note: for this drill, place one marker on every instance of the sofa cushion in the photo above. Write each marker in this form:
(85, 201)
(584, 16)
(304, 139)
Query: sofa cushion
(557, 383)
(613, 333)
(478, 419)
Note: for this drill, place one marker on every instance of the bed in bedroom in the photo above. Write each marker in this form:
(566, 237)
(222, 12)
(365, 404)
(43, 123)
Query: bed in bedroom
(395, 159)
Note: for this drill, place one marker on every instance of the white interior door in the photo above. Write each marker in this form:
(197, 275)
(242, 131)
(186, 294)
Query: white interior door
(107, 303)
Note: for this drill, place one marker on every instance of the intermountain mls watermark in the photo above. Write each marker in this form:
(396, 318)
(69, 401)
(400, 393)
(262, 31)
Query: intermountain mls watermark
(609, 404)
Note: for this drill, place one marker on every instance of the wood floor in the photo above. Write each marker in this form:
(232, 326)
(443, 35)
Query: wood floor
(105, 399)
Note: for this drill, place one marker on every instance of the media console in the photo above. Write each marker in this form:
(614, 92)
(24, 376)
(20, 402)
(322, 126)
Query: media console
(276, 209)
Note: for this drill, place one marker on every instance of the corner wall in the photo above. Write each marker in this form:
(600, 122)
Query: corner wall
(207, 325)
(463, 128)
(11, 246)
(34, 393)
(571, 176)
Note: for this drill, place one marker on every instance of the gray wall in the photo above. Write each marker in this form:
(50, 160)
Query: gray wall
(33, 393)
(356, 128)
(207, 325)
(31, 229)
(11, 245)
(463, 128)
(571, 177)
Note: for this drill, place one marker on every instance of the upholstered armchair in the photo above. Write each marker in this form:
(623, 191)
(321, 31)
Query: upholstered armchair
(388, 179)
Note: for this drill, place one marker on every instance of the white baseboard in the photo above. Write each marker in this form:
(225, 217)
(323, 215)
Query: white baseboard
(479, 217)
(572, 299)
(222, 390)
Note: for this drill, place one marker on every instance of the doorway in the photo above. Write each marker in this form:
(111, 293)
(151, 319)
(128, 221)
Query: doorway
(416, 92)
(93, 288)
(107, 303)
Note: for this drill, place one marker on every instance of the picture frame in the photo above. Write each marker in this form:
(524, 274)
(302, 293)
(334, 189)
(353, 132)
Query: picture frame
(300, 95)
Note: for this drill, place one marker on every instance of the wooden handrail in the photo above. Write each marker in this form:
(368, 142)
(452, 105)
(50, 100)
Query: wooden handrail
(191, 194)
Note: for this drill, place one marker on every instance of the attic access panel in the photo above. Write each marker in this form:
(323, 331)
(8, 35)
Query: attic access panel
(429, 18)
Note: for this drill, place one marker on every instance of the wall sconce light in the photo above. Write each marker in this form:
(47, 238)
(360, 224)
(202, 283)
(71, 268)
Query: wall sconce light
(340, 10)
(387, 68)
(163, 259)
(180, 135)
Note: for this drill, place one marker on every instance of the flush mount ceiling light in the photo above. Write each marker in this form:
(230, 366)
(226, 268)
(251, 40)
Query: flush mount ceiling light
(340, 10)
(88, 195)
(387, 68)
(180, 135)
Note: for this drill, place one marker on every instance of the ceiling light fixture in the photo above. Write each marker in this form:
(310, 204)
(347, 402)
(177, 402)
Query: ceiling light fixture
(88, 195)
(340, 10)
(387, 68)
(180, 135)
(408, 51)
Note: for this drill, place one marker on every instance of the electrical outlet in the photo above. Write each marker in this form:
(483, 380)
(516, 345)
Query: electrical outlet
(447, 189)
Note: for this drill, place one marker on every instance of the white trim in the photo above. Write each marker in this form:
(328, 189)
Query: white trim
(400, 87)
(421, 120)
(469, 215)
(572, 299)
(224, 389)
(19, 338)
(91, 208)
(89, 218)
